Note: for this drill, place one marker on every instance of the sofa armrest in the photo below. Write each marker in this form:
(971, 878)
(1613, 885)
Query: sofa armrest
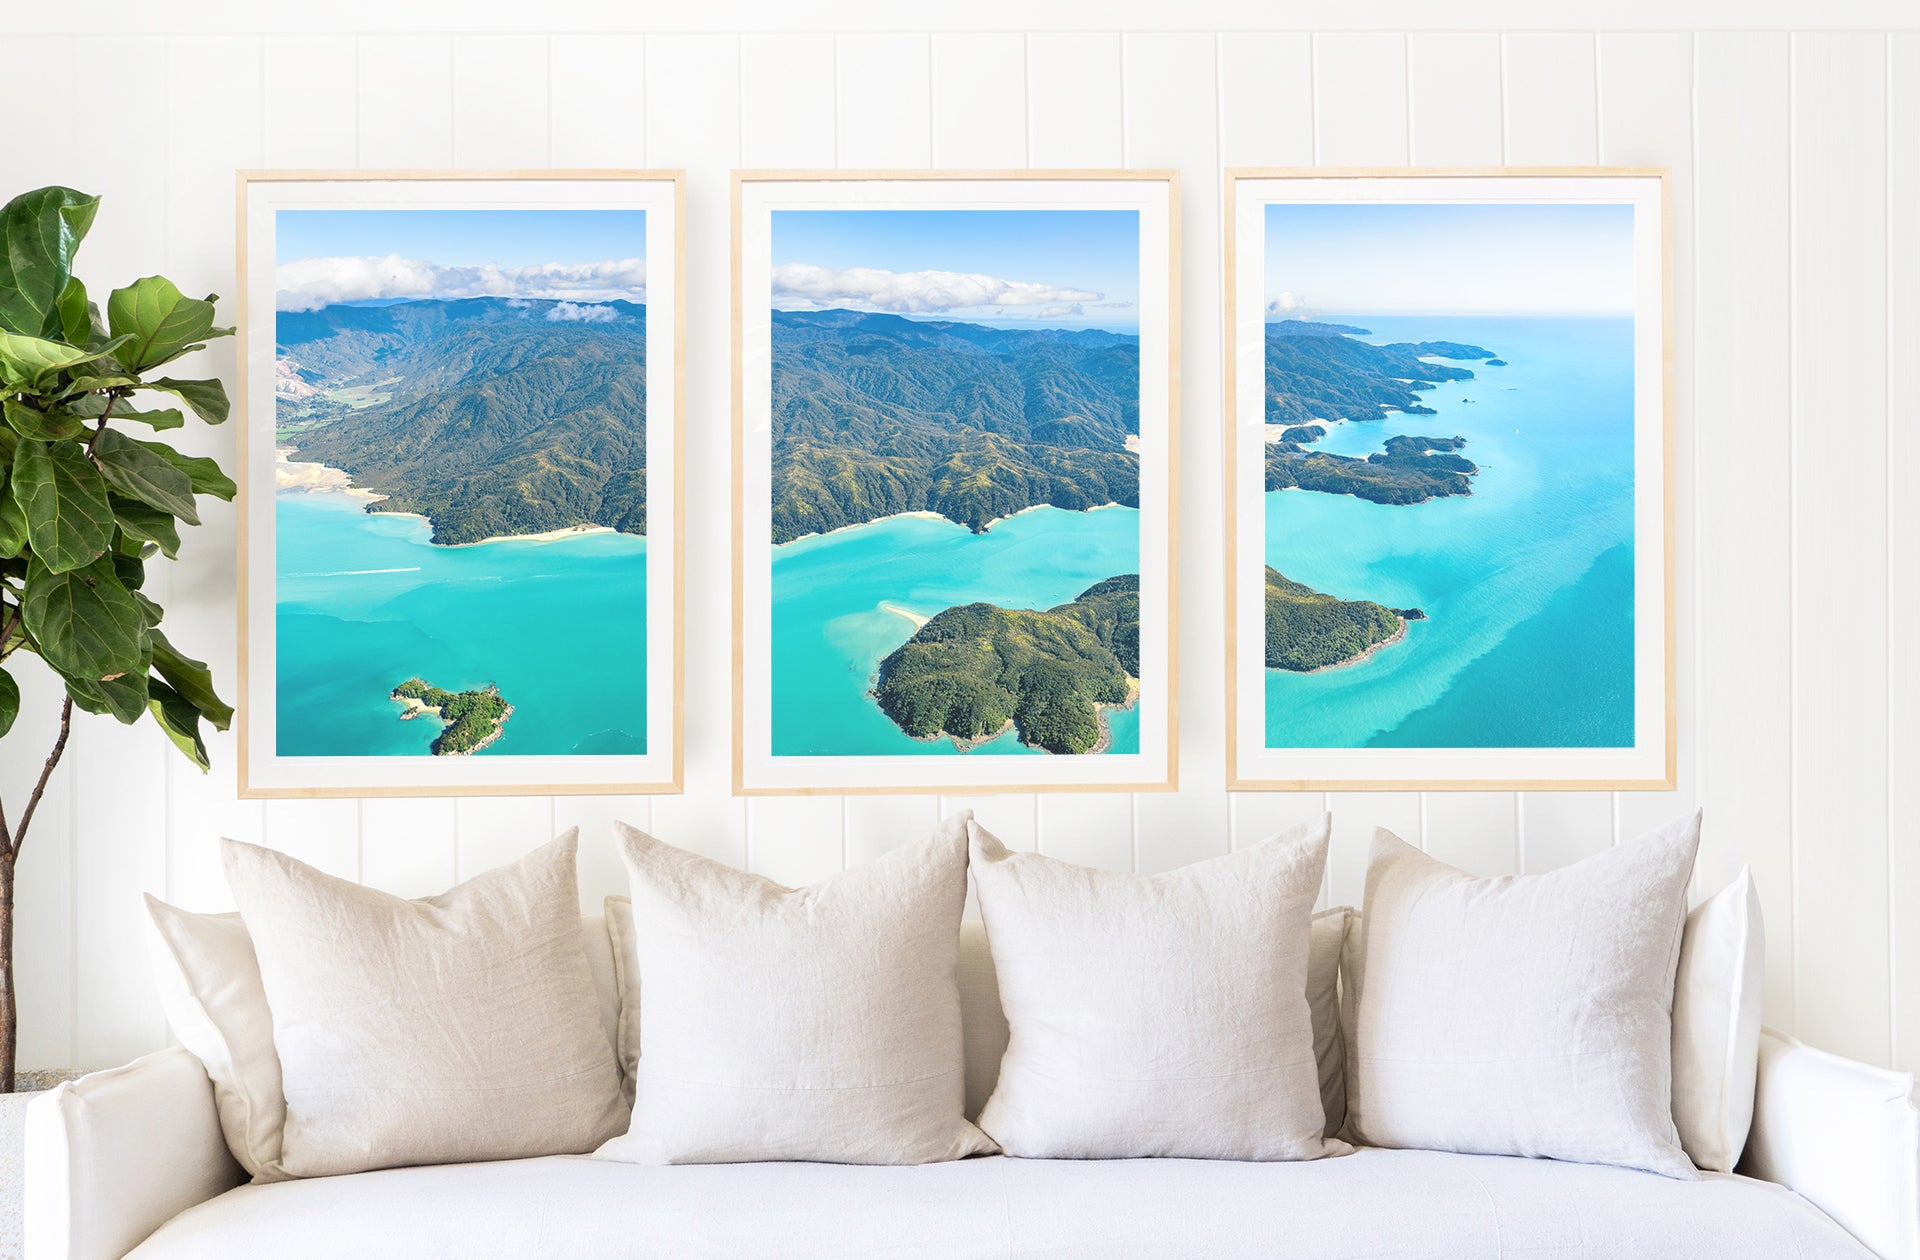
(1842, 1135)
(113, 1156)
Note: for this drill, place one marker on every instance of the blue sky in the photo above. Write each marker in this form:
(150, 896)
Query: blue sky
(1056, 268)
(346, 255)
(1447, 258)
(508, 238)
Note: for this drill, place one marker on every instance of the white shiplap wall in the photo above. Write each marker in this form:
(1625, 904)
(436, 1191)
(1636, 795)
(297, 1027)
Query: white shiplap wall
(1797, 162)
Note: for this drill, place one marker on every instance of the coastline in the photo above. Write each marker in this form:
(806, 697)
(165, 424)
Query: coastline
(1351, 661)
(910, 615)
(1100, 711)
(935, 516)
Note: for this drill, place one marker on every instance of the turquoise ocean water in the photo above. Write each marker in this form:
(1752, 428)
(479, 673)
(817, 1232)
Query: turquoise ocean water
(365, 602)
(832, 623)
(1527, 583)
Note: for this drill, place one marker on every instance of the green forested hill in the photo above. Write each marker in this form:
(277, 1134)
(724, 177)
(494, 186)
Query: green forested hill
(1319, 372)
(972, 669)
(487, 415)
(876, 414)
(1308, 630)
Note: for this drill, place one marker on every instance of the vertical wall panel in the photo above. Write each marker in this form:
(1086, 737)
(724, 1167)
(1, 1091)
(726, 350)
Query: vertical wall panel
(406, 100)
(1744, 486)
(1172, 103)
(786, 100)
(321, 833)
(1266, 99)
(877, 824)
(496, 830)
(499, 101)
(1552, 108)
(598, 111)
(603, 873)
(1903, 543)
(1646, 113)
(410, 845)
(1548, 95)
(693, 121)
(1014, 820)
(1839, 552)
(796, 840)
(1074, 102)
(1360, 99)
(979, 105)
(311, 99)
(1076, 111)
(1355, 815)
(1453, 99)
(885, 101)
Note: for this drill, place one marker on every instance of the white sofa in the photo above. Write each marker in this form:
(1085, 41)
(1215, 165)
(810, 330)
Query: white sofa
(131, 1162)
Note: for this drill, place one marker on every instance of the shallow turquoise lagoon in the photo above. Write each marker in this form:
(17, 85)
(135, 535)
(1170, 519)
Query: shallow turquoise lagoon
(835, 598)
(1527, 583)
(365, 602)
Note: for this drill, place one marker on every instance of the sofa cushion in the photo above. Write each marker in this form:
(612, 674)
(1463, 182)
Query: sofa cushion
(1407, 1204)
(813, 1023)
(1523, 1015)
(1716, 1024)
(1156, 1015)
(452, 1028)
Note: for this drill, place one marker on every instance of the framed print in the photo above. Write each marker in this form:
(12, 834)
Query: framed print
(1449, 516)
(954, 452)
(460, 490)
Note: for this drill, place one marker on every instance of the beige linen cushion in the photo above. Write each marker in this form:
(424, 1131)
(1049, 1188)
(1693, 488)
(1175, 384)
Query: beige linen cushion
(1156, 1015)
(820, 1023)
(210, 989)
(1716, 1024)
(454, 1028)
(1326, 944)
(1524, 1015)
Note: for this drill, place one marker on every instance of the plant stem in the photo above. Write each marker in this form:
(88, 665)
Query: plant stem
(10, 843)
(113, 396)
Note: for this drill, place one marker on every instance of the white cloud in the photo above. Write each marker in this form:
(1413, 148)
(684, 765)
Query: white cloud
(569, 313)
(1286, 304)
(308, 284)
(1055, 312)
(803, 286)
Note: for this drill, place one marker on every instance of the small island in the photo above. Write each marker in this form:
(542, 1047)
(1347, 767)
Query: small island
(1308, 631)
(1410, 470)
(473, 718)
(972, 671)
(1496, 363)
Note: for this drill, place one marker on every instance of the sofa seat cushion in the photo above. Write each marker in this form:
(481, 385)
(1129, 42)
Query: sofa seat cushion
(1371, 1203)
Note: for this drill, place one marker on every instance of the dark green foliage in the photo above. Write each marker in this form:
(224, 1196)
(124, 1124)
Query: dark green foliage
(486, 416)
(875, 415)
(1317, 372)
(972, 669)
(1304, 433)
(473, 718)
(1410, 470)
(1307, 630)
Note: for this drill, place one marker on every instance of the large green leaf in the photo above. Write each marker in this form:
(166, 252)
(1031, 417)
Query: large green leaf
(124, 697)
(29, 362)
(13, 525)
(146, 524)
(65, 502)
(9, 701)
(207, 398)
(179, 719)
(79, 319)
(39, 233)
(192, 679)
(202, 470)
(159, 322)
(84, 621)
(44, 426)
(166, 418)
(138, 473)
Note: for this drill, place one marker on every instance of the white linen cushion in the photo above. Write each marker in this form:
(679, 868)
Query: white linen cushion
(453, 1028)
(820, 1023)
(210, 990)
(1155, 1015)
(1324, 948)
(1524, 1015)
(1716, 1024)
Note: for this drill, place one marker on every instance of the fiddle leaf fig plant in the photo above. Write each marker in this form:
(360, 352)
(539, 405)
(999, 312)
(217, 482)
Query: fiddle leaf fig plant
(87, 504)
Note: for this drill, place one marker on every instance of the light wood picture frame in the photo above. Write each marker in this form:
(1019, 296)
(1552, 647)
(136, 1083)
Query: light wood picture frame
(955, 481)
(487, 371)
(1449, 510)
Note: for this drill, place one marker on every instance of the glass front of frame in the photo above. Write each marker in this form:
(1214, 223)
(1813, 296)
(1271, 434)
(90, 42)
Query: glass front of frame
(461, 511)
(1449, 459)
(955, 536)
